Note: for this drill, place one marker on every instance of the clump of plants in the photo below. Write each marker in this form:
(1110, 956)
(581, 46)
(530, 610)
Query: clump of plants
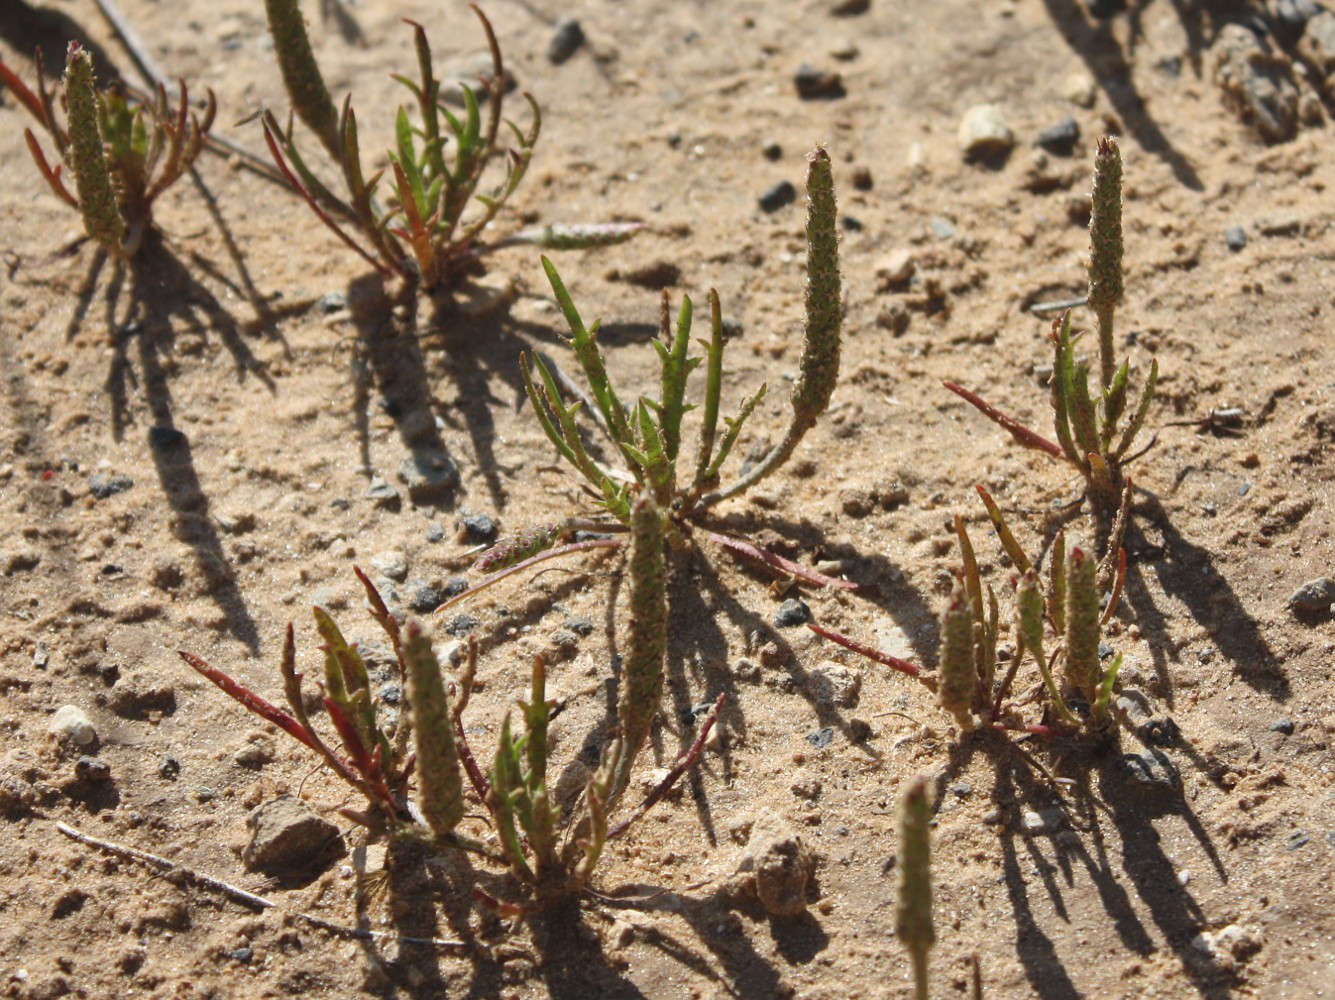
(648, 435)
(1094, 429)
(122, 152)
(435, 211)
(1057, 626)
(422, 793)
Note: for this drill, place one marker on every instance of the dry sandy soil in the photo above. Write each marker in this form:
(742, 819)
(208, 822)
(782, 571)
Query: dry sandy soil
(251, 379)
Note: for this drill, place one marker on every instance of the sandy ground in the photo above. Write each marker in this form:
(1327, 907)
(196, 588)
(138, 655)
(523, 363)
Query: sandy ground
(273, 352)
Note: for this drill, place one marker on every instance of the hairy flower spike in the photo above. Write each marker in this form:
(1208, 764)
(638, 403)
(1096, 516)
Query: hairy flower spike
(1082, 625)
(526, 543)
(301, 73)
(97, 200)
(438, 773)
(913, 915)
(1105, 248)
(958, 671)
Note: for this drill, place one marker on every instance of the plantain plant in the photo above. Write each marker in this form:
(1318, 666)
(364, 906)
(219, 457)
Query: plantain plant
(435, 216)
(1058, 624)
(122, 151)
(1091, 433)
(648, 436)
(427, 745)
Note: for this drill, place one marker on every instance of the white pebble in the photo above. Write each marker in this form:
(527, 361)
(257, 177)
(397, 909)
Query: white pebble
(73, 723)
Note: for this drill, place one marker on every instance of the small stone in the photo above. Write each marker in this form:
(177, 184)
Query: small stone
(1313, 599)
(72, 723)
(435, 533)
(139, 692)
(861, 177)
(166, 438)
(244, 954)
(333, 302)
(1235, 238)
(1150, 769)
(1283, 726)
(455, 586)
(1042, 820)
(859, 730)
(771, 150)
(91, 769)
(580, 625)
(821, 738)
(287, 837)
(382, 493)
(1229, 946)
(1280, 224)
(102, 487)
(476, 529)
(1297, 839)
(818, 84)
(564, 644)
(430, 475)
(942, 229)
(391, 563)
(566, 41)
(169, 767)
(1060, 138)
(1080, 89)
(961, 789)
(778, 196)
(792, 612)
(806, 787)
(895, 268)
(780, 864)
(256, 753)
(850, 8)
(984, 133)
(1256, 80)
(461, 624)
(844, 49)
(40, 656)
(424, 598)
(834, 684)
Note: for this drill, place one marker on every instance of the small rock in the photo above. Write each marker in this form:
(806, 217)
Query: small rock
(859, 730)
(1313, 599)
(1282, 224)
(1283, 726)
(382, 493)
(1150, 769)
(778, 196)
(430, 475)
(834, 684)
(895, 268)
(287, 838)
(1080, 89)
(435, 533)
(942, 229)
(1235, 238)
(91, 769)
(821, 738)
(332, 302)
(850, 8)
(792, 612)
(961, 789)
(818, 84)
(580, 625)
(424, 598)
(256, 753)
(391, 563)
(984, 133)
(806, 787)
(1060, 138)
(1297, 839)
(165, 438)
(169, 767)
(862, 178)
(139, 692)
(1229, 946)
(1257, 82)
(771, 150)
(40, 656)
(566, 41)
(455, 586)
(476, 529)
(102, 487)
(780, 864)
(72, 723)
(564, 645)
(461, 624)
(844, 49)
(1042, 820)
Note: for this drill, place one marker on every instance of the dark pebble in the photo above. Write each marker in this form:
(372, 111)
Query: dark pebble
(1060, 138)
(1284, 726)
(821, 738)
(476, 529)
(169, 767)
(818, 84)
(425, 599)
(777, 196)
(862, 179)
(1235, 238)
(580, 625)
(771, 150)
(162, 438)
(1104, 9)
(962, 789)
(391, 694)
(1150, 769)
(566, 41)
(851, 224)
(341, 503)
(859, 730)
(435, 533)
(113, 569)
(455, 586)
(1105, 651)
(91, 769)
(461, 625)
(850, 8)
(332, 302)
(1296, 840)
(1162, 731)
(244, 954)
(1314, 598)
(689, 715)
(102, 487)
(792, 612)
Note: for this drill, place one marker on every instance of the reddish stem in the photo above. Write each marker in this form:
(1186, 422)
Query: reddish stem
(752, 551)
(1019, 431)
(872, 653)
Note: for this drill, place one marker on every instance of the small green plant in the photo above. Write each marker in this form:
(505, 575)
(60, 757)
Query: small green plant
(913, 913)
(648, 436)
(122, 152)
(1091, 434)
(1057, 625)
(375, 760)
(424, 233)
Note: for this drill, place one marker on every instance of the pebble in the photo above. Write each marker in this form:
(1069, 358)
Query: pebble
(821, 738)
(771, 150)
(781, 865)
(984, 132)
(256, 753)
(91, 769)
(164, 438)
(140, 691)
(862, 178)
(792, 612)
(430, 475)
(834, 684)
(1042, 820)
(424, 598)
(391, 563)
(850, 8)
(1235, 238)
(1228, 946)
(580, 625)
(40, 656)
(1150, 769)
(455, 586)
(287, 837)
(942, 229)
(1284, 726)
(461, 624)
(776, 197)
(1255, 81)
(566, 41)
(435, 533)
(102, 487)
(72, 723)
(382, 493)
(1060, 138)
(818, 84)
(169, 767)
(476, 529)
(332, 302)
(1314, 598)
(896, 268)
(1080, 89)
(844, 49)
